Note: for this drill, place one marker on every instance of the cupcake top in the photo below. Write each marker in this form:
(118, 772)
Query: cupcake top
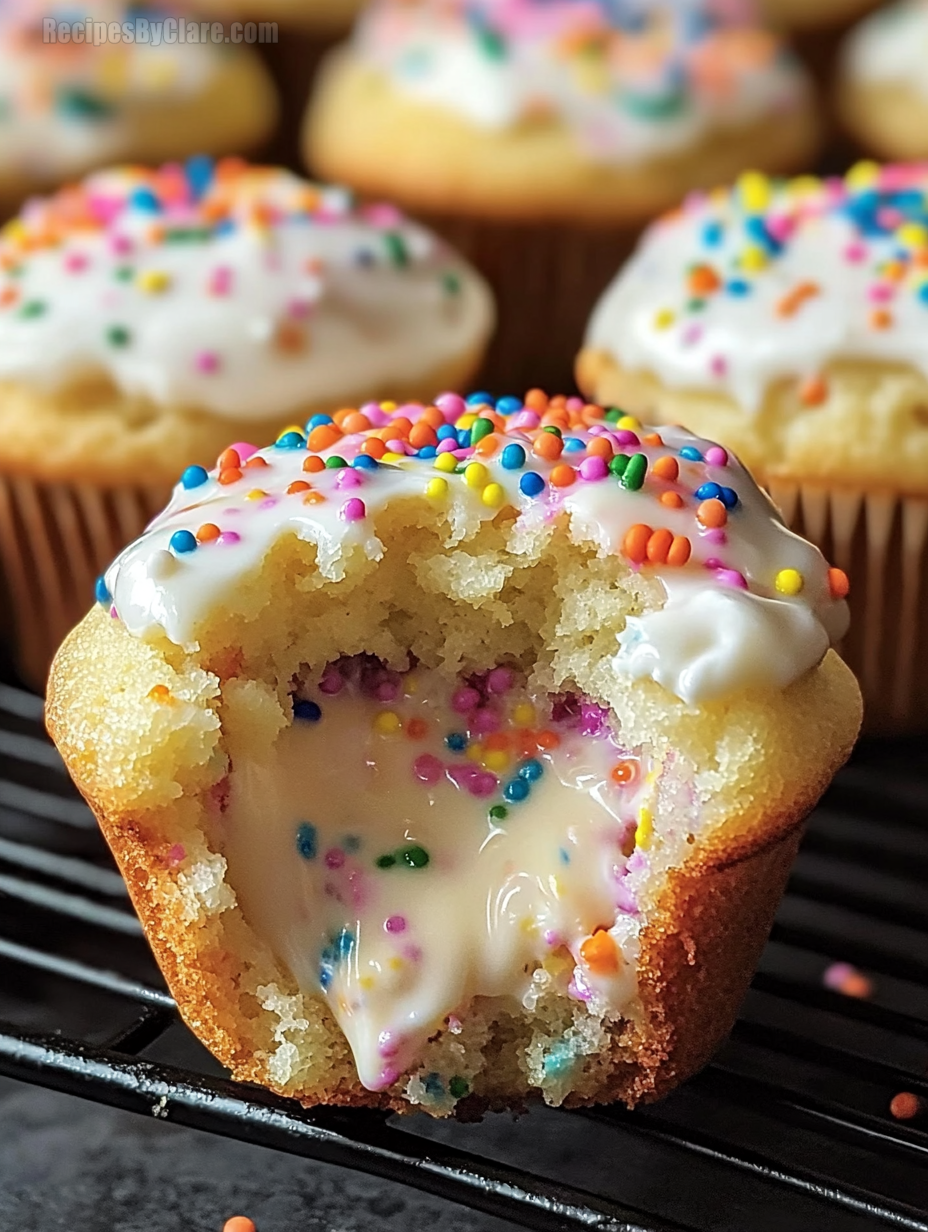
(748, 603)
(739, 289)
(630, 78)
(65, 105)
(890, 47)
(236, 290)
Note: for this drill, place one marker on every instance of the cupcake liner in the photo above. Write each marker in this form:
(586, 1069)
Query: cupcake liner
(55, 540)
(881, 541)
(547, 278)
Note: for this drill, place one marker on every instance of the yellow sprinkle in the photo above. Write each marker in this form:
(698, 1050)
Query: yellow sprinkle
(644, 829)
(496, 759)
(804, 186)
(475, 475)
(863, 174)
(493, 495)
(629, 422)
(366, 981)
(753, 258)
(411, 684)
(388, 406)
(395, 963)
(528, 925)
(255, 494)
(437, 488)
(467, 420)
(664, 318)
(789, 582)
(153, 282)
(474, 752)
(912, 235)
(523, 714)
(446, 462)
(754, 191)
(387, 722)
(392, 457)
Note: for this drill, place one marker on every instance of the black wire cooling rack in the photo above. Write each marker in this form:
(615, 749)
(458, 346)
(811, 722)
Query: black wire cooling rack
(792, 1117)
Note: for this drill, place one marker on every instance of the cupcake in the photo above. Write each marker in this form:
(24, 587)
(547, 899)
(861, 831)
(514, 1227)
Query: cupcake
(147, 316)
(467, 763)
(803, 15)
(790, 321)
(882, 95)
(539, 135)
(74, 99)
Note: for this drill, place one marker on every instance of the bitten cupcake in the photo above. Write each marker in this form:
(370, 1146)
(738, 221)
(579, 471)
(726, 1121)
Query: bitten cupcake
(882, 93)
(74, 98)
(461, 759)
(540, 134)
(147, 316)
(790, 321)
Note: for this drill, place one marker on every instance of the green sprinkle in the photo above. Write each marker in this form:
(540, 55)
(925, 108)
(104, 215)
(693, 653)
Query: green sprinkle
(499, 812)
(695, 305)
(396, 248)
(635, 471)
(415, 857)
(618, 463)
(451, 282)
(187, 235)
(118, 336)
(125, 273)
(555, 431)
(33, 308)
(81, 104)
(492, 44)
(335, 463)
(481, 428)
(654, 106)
(614, 414)
(458, 1087)
(385, 861)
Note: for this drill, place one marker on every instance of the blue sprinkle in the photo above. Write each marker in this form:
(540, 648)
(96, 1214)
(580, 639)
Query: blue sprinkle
(564, 855)
(144, 199)
(480, 398)
(325, 976)
(708, 491)
(446, 431)
(101, 591)
(531, 770)
(728, 497)
(317, 421)
(183, 541)
(344, 943)
(508, 405)
(364, 462)
(291, 440)
(463, 438)
(559, 1061)
(756, 228)
(737, 286)
(513, 456)
(572, 444)
(691, 453)
(433, 1085)
(531, 484)
(923, 293)
(199, 170)
(193, 476)
(306, 845)
(427, 451)
(712, 234)
(307, 711)
(225, 226)
(516, 790)
(456, 742)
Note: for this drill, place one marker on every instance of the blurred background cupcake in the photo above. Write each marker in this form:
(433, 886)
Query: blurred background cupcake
(790, 322)
(815, 29)
(883, 90)
(540, 134)
(68, 106)
(147, 318)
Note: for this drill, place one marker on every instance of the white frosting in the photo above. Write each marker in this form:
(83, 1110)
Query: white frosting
(628, 88)
(252, 319)
(890, 47)
(725, 626)
(737, 339)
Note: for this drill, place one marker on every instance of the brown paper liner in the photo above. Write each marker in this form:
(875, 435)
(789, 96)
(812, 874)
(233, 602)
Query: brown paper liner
(55, 540)
(881, 541)
(547, 278)
(292, 62)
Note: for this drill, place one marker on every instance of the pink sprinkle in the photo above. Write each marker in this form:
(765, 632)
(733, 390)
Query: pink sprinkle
(175, 855)
(482, 784)
(452, 406)
(448, 445)
(593, 469)
(334, 858)
(715, 455)
(880, 292)
(75, 262)
(383, 214)
(624, 437)
(354, 510)
(386, 691)
(220, 281)
(387, 1046)
(206, 361)
(244, 450)
(691, 335)
(732, 578)
(412, 952)
(375, 414)
(718, 365)
(396, 445)
(395, 924)
(269, 502)
(464, 700)
(500, 680)
(332, 681)
(551, 937)
(780, 226)
(427, 769)
(385, 1078)
(485, 721)
(715, 535)
(348, 477)
(575, 404)
(855, 252)
(228, 538)
(299, 309)
(526, 419)
(120, 244)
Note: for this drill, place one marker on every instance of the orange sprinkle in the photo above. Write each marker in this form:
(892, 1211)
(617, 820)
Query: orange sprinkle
(600, 954)
(547, 739)
(398, 429)
(9, 295)
(323, 436)
(536, 400)
(881, 318)
(548, 446)
(665, 468)
(557, 418)
(905, 1106)
(313, 498)
(524, 743)
(487, 445)
(673, 500)
(257, 461)
(374, 447)
(422, 434)
(679, 552)
(599, 447)
(230, 475)
(703, 280)
(208, 532)
(312, 464)
(229, 459)
(563, 476)
(159, 693)
(838, 583)
(290, 337)
(592, 411)
(298, 485)
(432, 416)
(712, 513)
(856, 984)
(623, 772)
(793, 300)
(239, 1223)
(635, 543)
(416, 729)
(813, 391)
(355, 421)
(653, 438)
(659, 545)
(497, 741)
(558, 402)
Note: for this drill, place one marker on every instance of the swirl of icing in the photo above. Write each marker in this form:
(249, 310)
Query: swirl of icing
(631, 79)
(890, 47)
(775, 279)
(748, 603)
(238, 290)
